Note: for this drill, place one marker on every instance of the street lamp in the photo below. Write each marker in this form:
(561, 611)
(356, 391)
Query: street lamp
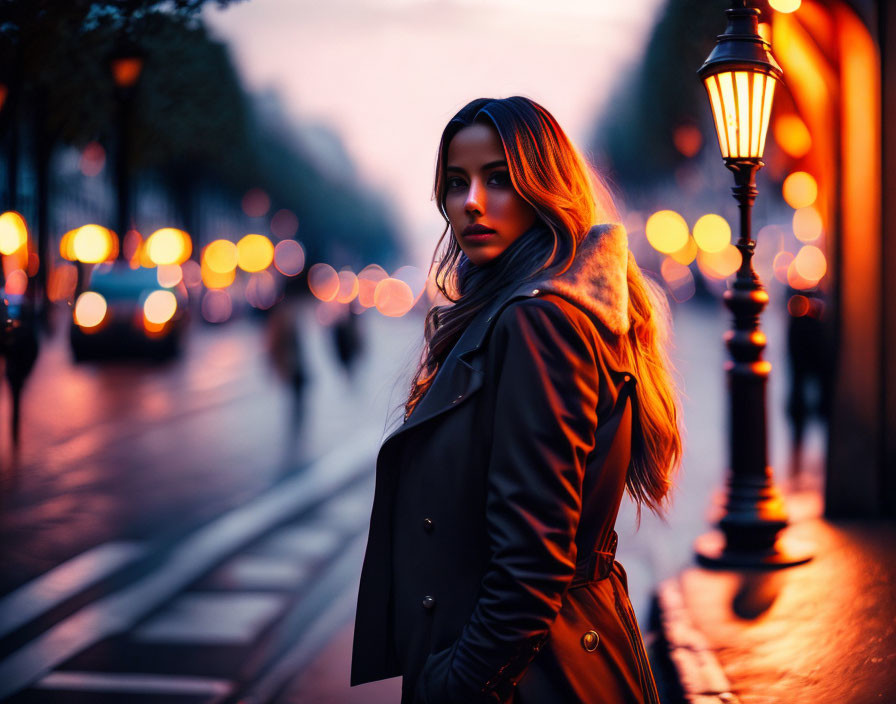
(740, 76)
(125, 64)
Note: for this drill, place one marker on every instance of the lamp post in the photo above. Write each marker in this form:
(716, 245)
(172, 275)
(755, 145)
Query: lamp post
(740, 76)
(125, 64)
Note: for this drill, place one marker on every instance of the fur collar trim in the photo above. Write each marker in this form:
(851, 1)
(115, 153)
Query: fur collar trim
(597, 279)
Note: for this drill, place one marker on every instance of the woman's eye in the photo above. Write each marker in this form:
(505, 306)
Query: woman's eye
(454, 183)
(500, 178)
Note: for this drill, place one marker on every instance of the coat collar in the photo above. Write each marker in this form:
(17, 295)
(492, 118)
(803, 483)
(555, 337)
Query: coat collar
(596, 281)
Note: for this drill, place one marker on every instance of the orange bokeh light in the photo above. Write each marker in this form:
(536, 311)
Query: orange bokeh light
(666, 231)
(255, 253)
(687, 139)
(393, 297)
(810, 263)
(168, 246)
(348, 286)
(800, 190)
(807, 224)
(220, 256)
(13, 232)
(781, 265)
(719, 265)
(90, 309)
(323, 281)
(792, 135)
(368, 278)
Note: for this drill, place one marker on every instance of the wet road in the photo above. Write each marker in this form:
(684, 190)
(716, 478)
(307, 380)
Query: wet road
(119, 451)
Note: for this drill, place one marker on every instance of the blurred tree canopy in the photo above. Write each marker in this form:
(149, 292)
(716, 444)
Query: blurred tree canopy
(192, 121)
(635, 134)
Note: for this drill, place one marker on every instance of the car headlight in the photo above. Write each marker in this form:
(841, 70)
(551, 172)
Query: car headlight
(159, 307)
(90, 309)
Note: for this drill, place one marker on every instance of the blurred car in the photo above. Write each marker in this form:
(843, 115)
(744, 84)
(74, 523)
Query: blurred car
(126, 312)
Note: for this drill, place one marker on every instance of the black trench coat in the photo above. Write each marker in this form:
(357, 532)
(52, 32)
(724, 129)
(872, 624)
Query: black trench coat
(489, 573)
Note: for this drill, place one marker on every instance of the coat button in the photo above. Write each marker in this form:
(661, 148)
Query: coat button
(427, 525)
(428, 602)
(590, 641)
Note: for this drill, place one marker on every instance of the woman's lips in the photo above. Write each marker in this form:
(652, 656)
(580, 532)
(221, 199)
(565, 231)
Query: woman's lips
(477, 233)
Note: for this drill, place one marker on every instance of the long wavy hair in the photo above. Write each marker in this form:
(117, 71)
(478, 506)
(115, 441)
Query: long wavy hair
(569, 198)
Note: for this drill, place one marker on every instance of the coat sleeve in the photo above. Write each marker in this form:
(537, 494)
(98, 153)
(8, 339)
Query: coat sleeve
(544, 426)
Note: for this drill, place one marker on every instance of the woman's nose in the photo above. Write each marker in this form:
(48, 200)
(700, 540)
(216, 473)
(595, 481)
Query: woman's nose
(475, 198)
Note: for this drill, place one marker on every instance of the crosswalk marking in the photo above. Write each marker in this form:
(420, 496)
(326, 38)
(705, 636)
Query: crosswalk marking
(64, 581)
(133, 683)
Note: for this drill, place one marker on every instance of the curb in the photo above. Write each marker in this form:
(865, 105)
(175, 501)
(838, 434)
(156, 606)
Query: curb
(698, 671)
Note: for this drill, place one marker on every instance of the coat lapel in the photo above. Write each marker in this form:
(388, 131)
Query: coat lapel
(461, 372)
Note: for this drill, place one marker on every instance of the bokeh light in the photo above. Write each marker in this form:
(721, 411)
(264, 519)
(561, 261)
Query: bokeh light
(90, 309)
(687, 139)
(810, 263)
(159, 307)
(168, 246)
(413, 277)
(792, 135)
(93, 159)
(66, 246)
(800, 190)
(192, 274)
(13, 232)
(284, 224)
(807, 224)
(393, 297)
(712, 233)
(256, 203)
(220, 256)
(133, 242)
(368, 278)
(289, 257)
(686, 254)
(348, 286)
(92, 244)
(169, 275)
(217, 306)
(33, 265)
(798, 306)
(678, 278)
(785, 5)
(16, 283)
(216, 279)
(323, 281)
(62, 282)
(666, 231)
(781, 265)
(719, 265)
(261, 291)
(255, 253)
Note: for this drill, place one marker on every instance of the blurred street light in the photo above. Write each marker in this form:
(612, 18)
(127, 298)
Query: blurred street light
(125, 65)
(740, 76)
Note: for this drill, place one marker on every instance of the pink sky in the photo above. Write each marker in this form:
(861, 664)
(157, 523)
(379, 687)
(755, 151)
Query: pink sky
(386, 75)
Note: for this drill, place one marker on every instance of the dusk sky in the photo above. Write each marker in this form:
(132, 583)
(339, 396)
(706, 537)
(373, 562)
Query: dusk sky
(386, 75)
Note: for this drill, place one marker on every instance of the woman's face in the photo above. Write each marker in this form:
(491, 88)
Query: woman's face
(486, 214)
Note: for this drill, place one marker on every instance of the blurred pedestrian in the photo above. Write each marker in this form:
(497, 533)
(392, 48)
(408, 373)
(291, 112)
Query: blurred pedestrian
(543, 393)
(284, 348)
(347, 338)
(811, 373)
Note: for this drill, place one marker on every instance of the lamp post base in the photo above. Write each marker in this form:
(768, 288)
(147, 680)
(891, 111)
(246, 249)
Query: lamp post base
(711, 551)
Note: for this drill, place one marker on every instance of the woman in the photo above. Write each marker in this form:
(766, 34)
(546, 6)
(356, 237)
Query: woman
(543, 393)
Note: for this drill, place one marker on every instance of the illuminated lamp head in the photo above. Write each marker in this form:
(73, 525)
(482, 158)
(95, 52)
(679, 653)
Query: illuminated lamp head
(740, 77)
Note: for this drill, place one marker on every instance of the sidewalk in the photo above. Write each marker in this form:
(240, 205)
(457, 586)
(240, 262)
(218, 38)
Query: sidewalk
(821, 632)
